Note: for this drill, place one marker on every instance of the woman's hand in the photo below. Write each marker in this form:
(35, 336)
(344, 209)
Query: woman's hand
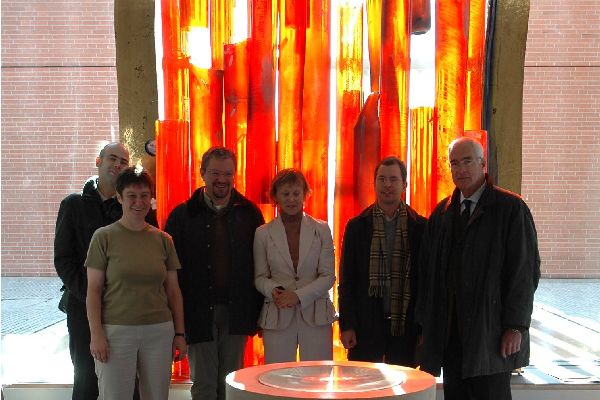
(99, 347)
(276, 292)
(285, 298)
(179, 348)
(98, 343)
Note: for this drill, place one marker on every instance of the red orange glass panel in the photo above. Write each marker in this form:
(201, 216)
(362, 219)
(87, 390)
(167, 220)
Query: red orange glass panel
(236, 106)
(292, 42)
(450, 64)
(421, 151)
(260, 141)
(395, 66)
(421, 16)
(198, 14)
(373, 8)
(315, 106)
(366, 151)
(206, 115)
(172, 166)
(221, 18)
(175, 63)
(349, 104)
(475, 56)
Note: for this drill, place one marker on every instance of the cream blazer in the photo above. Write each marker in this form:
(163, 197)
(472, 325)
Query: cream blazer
(314, 276)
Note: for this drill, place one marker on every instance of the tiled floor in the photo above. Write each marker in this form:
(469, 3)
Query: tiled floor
(565, 332)
(30, 304)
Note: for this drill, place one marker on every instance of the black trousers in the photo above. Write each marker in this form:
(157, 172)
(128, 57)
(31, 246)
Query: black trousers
(85, 381)
(484, 387)
(398, 350)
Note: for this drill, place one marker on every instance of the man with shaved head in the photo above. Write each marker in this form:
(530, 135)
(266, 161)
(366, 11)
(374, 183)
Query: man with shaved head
(480, 267)
(79, 215)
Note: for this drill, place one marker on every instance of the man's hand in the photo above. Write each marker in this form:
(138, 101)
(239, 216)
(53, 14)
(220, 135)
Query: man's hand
(510, 342)
(348, 338)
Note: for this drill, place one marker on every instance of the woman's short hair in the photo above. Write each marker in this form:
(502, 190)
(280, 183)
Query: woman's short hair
(133, 176)
(289, 175)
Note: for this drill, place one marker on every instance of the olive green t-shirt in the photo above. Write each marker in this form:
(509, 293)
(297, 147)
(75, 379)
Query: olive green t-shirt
(136, 265)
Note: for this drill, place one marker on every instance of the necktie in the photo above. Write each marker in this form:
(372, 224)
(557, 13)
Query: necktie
(465, 215)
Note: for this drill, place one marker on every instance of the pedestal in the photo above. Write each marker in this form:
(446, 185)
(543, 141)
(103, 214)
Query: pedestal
(330, 380)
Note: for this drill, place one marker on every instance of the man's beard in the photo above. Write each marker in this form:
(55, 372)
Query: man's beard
(221, 193)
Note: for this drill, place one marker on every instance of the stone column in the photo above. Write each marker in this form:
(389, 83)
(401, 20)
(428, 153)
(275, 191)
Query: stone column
(136, 76)
(504, 110)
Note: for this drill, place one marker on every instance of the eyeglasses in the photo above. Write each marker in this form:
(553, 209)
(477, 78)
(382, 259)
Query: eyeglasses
(465, 162)
(216, 174)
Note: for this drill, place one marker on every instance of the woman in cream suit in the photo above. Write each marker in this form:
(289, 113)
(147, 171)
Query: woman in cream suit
(293, 261)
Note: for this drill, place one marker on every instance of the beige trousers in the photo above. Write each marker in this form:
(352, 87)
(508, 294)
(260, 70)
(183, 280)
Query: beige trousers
(315, 342)
(142, 349)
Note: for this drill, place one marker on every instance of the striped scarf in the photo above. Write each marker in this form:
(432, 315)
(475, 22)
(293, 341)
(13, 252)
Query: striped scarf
(396, 281)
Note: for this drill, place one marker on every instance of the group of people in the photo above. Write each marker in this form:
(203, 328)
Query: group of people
(452, 291)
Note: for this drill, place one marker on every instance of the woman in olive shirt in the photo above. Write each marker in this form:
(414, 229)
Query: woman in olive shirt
(134, 304)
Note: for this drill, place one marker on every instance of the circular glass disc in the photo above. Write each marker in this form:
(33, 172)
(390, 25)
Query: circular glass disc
(333, 378)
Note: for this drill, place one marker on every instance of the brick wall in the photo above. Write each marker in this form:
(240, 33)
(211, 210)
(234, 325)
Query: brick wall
(59, 101)
(561, 134)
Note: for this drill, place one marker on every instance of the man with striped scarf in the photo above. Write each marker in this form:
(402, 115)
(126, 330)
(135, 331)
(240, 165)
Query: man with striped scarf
(378, 274)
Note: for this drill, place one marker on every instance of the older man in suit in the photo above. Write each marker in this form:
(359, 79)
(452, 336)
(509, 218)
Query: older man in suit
(480, 269)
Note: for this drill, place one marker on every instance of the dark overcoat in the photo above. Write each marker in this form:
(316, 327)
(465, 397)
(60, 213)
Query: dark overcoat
(358, 310)
(187, 225)
(499, 267)
(79, 215)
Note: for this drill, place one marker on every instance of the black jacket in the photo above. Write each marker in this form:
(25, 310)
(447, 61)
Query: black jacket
(358, 310)
(499, 269)
(187, 225)
(79, 215)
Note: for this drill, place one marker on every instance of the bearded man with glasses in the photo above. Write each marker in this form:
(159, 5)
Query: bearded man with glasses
(213, 233)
